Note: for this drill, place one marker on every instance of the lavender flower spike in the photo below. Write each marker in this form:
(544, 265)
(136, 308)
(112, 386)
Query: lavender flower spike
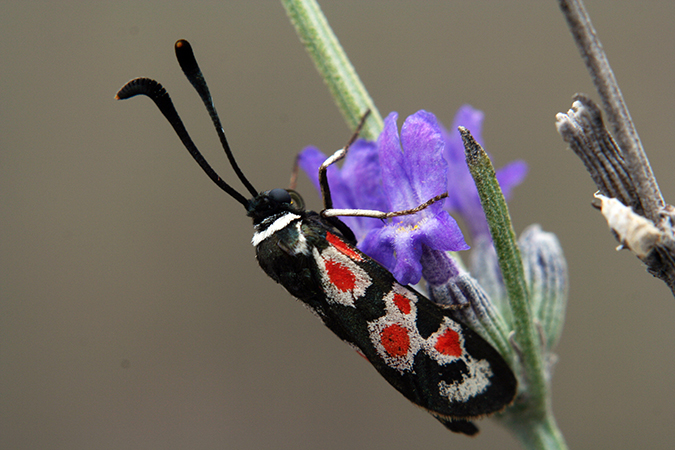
(357, 185)
(413, 171)
(463, 198)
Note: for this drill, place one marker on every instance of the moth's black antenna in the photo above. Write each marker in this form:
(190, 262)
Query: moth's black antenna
(157, 93)
(187, 61)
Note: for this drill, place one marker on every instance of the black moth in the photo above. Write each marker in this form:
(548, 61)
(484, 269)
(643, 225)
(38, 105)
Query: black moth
(437, 363)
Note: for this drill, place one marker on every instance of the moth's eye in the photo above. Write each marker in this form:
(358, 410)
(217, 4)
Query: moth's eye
(280, 195)
(296, 200)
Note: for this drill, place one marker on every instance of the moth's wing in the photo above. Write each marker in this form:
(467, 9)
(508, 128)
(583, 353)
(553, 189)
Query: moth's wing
(455, 373)
(358, 299)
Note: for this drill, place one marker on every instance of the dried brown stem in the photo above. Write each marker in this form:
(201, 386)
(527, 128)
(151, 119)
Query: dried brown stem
(618, 165)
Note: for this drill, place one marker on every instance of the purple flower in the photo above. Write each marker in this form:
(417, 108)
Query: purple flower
(463, 197)
(393, 174)
(413, 171)
(400, 172)
(357, 185)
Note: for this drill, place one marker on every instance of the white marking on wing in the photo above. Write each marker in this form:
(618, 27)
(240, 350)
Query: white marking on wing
(472, 384)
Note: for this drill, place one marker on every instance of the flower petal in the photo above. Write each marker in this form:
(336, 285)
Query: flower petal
(511, 175)
(394, 177)
(356, 186)
(461, 188)
(362, 175)
(423, 146)
(413, 168)
(399, 246)
(309, 160)
(443, 233)
(463, 197)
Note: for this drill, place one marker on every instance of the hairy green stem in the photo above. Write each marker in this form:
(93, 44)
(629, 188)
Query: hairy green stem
(344, 84)
(537, 434)
(530, 418)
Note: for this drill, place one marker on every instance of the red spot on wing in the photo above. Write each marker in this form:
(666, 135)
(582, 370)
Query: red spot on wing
(341, 277)
(395, 340)
(448, 343)
(342, 247)
(402, 303)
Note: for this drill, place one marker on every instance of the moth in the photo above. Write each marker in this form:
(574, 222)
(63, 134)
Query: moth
(435, 361)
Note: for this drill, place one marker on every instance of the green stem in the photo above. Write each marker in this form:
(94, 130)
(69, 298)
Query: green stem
(344, 84)
(537, 434)
(530, 419)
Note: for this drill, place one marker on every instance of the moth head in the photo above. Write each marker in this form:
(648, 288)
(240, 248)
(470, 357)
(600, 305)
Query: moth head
(270, 203)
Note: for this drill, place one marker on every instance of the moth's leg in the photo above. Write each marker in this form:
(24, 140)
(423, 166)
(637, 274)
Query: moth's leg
(335, 157)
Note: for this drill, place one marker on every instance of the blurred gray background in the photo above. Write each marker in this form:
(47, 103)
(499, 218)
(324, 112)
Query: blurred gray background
(132, 311)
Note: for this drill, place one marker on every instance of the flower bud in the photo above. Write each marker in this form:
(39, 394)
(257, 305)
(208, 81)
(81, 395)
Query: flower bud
(546, 276)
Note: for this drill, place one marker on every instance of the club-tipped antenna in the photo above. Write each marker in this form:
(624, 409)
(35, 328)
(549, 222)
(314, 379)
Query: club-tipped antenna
(187, 61)
(157, 93)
